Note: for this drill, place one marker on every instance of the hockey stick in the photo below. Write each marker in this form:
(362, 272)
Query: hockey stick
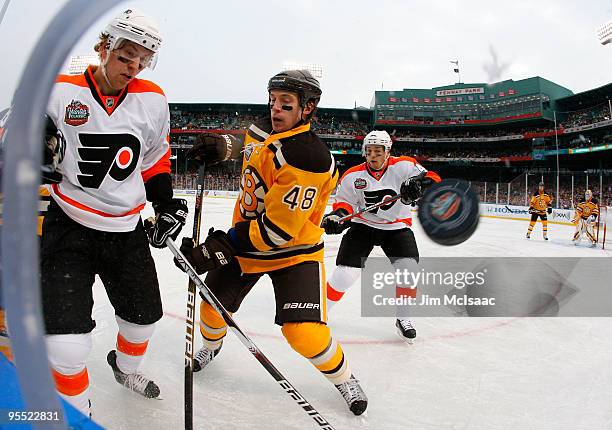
(263, 360)
(370, 208)
(191, 301)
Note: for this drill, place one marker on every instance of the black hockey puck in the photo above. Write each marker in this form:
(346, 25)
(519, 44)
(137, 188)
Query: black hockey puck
(448, 212)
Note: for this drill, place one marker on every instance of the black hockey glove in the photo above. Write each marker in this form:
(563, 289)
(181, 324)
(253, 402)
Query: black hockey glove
(331, 222)
(212, 148)
(549, 210)
(217, 251)
(169, 220)
(54, 146)
(413, 188)
(532, 210)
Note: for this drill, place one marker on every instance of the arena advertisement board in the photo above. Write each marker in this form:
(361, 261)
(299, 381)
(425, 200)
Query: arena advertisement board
(207, 193)
(563, 216)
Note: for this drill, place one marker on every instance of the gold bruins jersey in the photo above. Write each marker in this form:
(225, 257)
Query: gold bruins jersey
(540, 202)
(43, 204)
(286, 181)
(586, 209)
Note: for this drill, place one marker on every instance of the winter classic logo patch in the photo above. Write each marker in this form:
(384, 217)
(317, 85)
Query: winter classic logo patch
(248, 151)
(360, 183)
(77, 113)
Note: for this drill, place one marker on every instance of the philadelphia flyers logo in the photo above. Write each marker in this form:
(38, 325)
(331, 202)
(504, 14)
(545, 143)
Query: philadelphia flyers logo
(374, 197)
(115, 155)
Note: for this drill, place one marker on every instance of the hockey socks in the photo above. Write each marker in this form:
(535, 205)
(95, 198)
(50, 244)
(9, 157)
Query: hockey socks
(339, 282)
(67, 356)
(213, 330)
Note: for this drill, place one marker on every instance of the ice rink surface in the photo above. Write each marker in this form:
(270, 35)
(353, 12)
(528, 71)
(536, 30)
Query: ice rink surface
(461, 373)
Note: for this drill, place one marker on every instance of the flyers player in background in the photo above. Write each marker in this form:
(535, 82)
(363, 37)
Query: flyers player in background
(539, 206)
(585, 219)
(116, 157)
(288, 175)
(380, 177)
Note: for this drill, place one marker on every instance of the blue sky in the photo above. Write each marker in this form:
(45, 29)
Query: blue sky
(226, 51)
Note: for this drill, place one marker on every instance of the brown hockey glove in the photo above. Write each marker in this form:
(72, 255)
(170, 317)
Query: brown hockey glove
(217, 251)
(212, 148)
(54, 146)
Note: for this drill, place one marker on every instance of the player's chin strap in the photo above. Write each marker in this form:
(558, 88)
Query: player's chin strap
(103, 68)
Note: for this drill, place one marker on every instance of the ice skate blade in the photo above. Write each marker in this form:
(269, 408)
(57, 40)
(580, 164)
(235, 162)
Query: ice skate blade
(409, 341)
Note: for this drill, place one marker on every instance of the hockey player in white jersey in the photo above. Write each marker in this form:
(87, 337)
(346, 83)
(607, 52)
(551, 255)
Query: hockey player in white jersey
(381, 176)
(116, 157)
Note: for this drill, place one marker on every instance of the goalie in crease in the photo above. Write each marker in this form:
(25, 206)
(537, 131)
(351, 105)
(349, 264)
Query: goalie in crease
(587, 213)
(388, 226)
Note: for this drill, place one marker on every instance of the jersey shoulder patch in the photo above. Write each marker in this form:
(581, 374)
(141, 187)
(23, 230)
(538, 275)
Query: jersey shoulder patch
(307, 152)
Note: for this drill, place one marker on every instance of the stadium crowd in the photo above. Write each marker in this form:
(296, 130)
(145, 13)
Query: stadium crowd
(491, 192)
(326, 123)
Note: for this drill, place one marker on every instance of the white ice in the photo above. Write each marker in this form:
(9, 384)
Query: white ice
(462, 373)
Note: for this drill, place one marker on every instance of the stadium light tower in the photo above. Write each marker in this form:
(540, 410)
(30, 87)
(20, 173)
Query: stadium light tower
(604, 33)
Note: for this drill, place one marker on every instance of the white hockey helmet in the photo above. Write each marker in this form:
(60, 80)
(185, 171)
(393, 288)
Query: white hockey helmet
(136, 27)
(588, 195)
(377, 137)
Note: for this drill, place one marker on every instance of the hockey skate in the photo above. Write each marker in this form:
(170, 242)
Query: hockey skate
(405, 330)
(353, 395)
(133, 381)
(203, 357)
(527, 236)
(545, 237)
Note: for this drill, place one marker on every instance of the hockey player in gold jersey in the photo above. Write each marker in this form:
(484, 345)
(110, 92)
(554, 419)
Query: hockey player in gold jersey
(585, 219)
(44, 198)
(288, 175)
(539, 206)
(5, 344)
